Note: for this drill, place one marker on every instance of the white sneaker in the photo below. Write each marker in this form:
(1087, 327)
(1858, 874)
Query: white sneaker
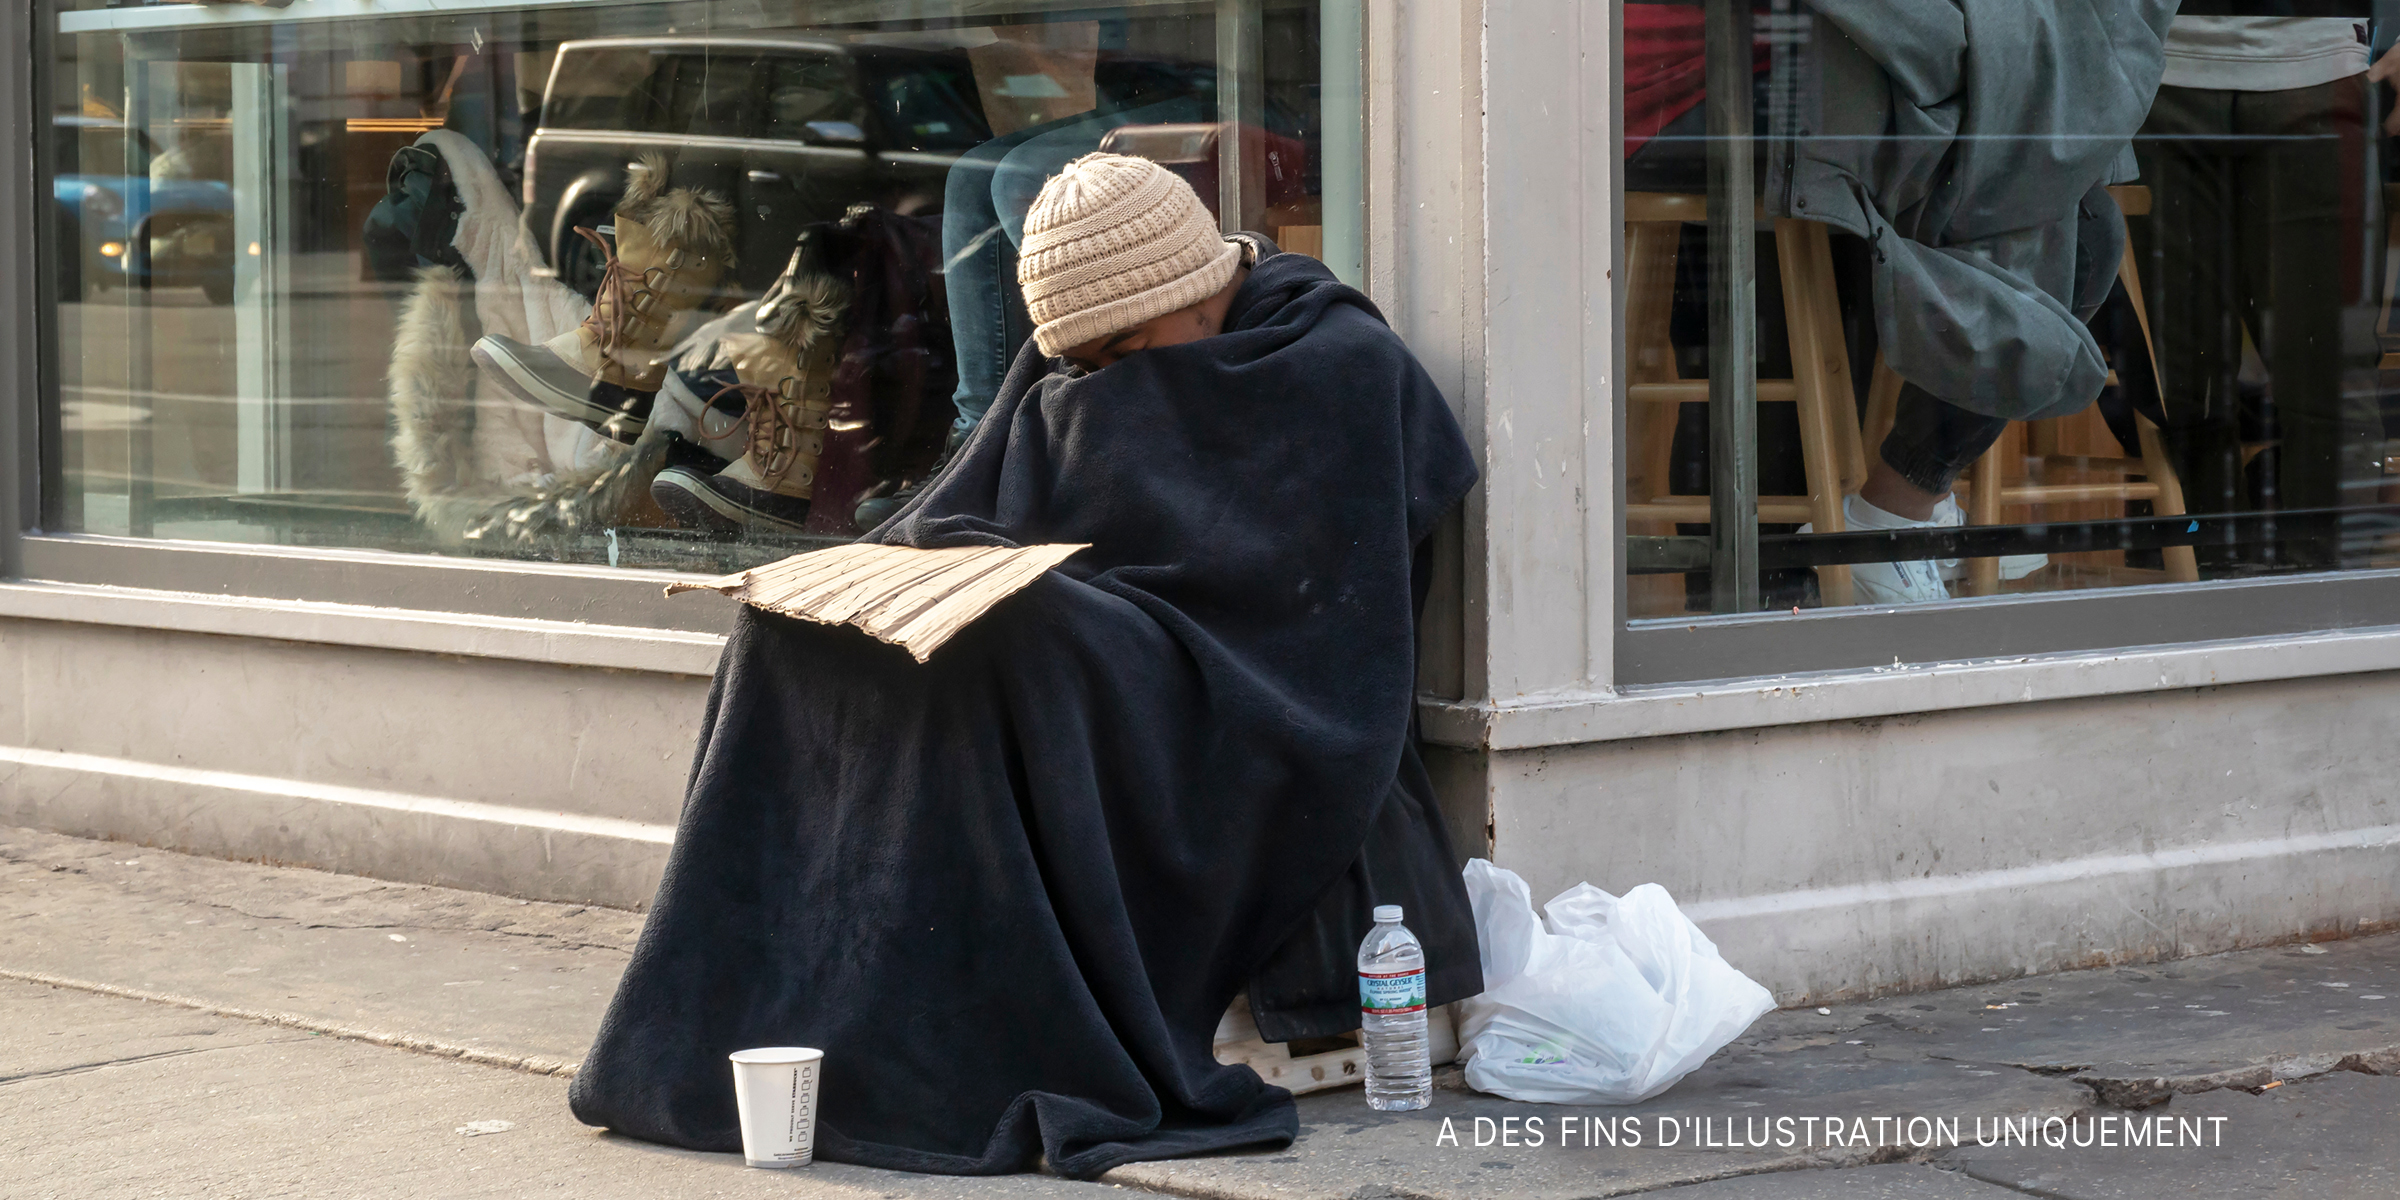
(1878, 583)
(2012, 566)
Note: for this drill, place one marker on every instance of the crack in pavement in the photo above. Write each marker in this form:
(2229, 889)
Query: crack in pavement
(563, 941)
(2143, 1091)
(476, 918)
(81, 1068)
(1969, 1169)
(2009, 1186)
(530, 1064)
(1879, 1156)
(2052, 1070)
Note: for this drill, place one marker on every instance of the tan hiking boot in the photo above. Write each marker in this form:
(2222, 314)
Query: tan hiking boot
(650, 283)
(672, 247)
(784, 376)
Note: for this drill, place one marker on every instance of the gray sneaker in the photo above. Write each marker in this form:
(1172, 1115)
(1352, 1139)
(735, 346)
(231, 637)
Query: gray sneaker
(2012, 566)
(719, 503)
(539, 377)
(1879, 583)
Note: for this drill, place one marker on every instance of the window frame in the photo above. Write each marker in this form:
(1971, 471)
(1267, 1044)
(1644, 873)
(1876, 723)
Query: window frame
(1685, 649)
(29, 436)
(34, 552)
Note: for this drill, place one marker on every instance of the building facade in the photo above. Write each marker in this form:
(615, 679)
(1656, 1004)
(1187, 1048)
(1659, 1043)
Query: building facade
(296, 569)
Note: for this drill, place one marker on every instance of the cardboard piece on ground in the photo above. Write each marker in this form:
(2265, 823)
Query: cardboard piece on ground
(914, 599)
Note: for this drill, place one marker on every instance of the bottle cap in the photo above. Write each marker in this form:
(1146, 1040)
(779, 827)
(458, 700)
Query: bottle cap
(1387, 914)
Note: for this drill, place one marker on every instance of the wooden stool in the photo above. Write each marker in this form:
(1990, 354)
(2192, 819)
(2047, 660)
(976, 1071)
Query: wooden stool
(1991, 486)
(1833, 459)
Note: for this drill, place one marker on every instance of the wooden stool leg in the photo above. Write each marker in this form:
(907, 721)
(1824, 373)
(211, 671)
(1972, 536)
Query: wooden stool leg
(2182, 563)
(1883, 405)
(1820, 378)
(2042, 437)
(1850, 440)
(1656, 451)
(1651, 248)
(1838, 394)
(1983, 508)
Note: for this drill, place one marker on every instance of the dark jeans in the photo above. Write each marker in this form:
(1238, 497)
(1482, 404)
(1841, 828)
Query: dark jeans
(2257, 225)
(984, 202)
(1933, 441)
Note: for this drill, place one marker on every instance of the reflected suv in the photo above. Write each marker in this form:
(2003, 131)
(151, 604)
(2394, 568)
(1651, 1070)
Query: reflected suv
(792, 132)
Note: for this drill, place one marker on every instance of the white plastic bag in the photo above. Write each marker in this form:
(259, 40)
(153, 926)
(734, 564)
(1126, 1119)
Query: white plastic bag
(1612, 1003)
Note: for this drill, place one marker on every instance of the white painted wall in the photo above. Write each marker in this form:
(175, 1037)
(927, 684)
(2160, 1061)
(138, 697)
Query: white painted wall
(1899, 853)
(530, 779)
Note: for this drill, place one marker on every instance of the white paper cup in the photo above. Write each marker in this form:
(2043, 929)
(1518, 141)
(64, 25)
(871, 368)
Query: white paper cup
(775, 1087)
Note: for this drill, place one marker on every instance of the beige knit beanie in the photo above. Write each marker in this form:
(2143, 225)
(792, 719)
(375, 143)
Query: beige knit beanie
(1112, 242)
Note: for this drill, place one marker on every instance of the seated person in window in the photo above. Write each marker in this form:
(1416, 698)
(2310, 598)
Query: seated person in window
(1051, 96)
(1011, 891)
(2055, 259)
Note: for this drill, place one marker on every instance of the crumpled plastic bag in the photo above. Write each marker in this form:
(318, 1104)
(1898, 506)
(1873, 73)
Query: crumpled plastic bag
(1610, 1001)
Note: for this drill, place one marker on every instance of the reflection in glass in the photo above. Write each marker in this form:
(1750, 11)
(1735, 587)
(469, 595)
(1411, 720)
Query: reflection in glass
(686, 284)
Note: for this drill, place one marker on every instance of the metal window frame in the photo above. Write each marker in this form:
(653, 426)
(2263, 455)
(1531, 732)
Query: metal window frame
(33, 550)
(22, 442)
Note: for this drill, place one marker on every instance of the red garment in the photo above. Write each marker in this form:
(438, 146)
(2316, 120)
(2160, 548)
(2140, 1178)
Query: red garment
(1664, 74)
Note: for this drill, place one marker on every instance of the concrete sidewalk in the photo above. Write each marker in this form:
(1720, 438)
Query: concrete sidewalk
(188, 1027)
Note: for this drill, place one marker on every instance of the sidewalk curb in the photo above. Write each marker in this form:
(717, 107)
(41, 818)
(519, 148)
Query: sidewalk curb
(529, 1064)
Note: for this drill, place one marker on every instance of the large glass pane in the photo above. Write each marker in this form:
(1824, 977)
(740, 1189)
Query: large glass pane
(682, 283)
(2094, 299)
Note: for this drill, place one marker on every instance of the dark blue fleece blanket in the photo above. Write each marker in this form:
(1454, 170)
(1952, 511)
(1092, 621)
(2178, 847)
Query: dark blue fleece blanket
(1010, 891)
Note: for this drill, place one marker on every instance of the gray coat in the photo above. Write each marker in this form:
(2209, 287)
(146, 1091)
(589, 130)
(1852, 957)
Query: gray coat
(1959, 136)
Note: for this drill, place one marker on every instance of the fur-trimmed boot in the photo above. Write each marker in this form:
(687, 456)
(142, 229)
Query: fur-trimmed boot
(778, 378)
(672, 247)
(466, 477)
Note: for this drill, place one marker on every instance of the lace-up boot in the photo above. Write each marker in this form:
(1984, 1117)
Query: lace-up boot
(783, 381)
(671, 248)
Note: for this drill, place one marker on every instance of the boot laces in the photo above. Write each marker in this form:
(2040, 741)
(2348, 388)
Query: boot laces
(777, 424)
(625, 295)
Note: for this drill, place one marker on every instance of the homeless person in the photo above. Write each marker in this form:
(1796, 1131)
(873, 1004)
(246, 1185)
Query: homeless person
(1011, 891)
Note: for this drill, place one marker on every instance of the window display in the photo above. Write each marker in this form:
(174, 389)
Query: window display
(689, 284)
(2124, 324)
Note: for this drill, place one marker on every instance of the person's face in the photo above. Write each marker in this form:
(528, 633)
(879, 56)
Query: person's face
(1202, 320)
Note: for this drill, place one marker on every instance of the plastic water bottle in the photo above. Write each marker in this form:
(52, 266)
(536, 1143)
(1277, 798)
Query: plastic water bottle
(1391, 1014)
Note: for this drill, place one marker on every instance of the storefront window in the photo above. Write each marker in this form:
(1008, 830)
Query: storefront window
(692, 284)
(1998, 316)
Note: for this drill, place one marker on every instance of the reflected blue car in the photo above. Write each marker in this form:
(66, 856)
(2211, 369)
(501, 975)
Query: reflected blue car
(124, 230)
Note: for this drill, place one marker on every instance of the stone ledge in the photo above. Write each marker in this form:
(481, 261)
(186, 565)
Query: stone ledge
(567, 643)
(529, 853)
